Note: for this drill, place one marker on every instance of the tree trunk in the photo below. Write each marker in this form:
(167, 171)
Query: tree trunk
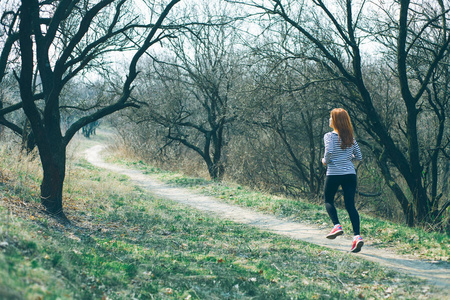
(47, 135)
(407, 206)
(28, 142)
(53, 164)
(218, 167)
(421, 203)
(215, 166)
(216, 171)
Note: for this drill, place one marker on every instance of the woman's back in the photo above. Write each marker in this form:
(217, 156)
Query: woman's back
(338, 160)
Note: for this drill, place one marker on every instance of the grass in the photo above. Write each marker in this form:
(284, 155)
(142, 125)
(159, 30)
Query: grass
(125, 244)
(412, 241)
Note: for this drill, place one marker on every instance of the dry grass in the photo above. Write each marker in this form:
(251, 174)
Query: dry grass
(125, 244)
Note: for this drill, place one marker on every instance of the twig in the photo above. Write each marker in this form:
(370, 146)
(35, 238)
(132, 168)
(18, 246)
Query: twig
(277, 268)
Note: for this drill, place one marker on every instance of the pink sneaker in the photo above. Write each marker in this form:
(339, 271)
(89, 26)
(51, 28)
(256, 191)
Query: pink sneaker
(357, 244)
(336, 231)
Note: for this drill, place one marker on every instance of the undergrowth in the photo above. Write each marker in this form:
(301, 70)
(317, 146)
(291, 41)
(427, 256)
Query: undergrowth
(125, 244)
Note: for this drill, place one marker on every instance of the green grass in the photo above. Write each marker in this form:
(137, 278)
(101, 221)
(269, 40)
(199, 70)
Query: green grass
(152, 248)
(412, 241)
(126, 244)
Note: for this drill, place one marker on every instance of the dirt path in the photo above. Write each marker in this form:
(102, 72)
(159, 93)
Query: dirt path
(436, 273)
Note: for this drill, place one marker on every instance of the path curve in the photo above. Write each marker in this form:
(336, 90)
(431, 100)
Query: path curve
(436, 273)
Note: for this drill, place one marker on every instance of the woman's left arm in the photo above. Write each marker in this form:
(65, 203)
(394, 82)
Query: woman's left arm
(356, 152)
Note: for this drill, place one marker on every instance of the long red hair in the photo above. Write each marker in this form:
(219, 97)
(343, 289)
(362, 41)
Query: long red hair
(340, 121)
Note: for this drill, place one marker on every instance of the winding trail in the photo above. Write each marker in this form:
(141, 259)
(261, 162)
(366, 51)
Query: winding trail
(435, 273)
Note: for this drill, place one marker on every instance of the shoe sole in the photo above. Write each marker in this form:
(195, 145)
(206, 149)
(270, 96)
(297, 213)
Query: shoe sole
(358, 247)
(334, 235)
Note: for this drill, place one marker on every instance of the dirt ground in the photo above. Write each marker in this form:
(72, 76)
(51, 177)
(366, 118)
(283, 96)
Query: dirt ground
(436, 273)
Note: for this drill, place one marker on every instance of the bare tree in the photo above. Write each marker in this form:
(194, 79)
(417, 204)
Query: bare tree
(337, 33)
(58, 41)
(195, 90)
(287, 107)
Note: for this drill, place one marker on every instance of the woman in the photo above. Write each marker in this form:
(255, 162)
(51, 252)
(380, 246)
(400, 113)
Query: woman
(340, 150)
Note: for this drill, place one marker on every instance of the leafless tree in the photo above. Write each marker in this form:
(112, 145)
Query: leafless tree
(56, 42)
(291, 111)
(194, 97)
(337, 34)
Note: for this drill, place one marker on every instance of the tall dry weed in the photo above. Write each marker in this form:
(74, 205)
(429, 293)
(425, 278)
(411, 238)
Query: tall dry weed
(19, 170)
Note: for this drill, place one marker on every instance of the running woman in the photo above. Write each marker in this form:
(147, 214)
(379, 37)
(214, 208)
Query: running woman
(340, 150)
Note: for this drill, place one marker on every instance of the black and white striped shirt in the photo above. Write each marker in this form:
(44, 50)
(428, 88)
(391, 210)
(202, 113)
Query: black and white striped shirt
(338, 160)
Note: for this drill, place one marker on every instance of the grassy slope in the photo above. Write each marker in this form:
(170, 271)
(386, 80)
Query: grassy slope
(415, 242)
(124, 243)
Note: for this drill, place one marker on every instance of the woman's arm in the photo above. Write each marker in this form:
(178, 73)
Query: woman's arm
(356, 152)
(328, 142)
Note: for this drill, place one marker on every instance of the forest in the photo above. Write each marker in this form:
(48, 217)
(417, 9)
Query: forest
(239, 90)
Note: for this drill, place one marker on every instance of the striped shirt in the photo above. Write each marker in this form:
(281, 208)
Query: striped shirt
(338, 160)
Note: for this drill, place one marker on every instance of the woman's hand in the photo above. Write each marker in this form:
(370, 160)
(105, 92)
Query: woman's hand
(323, 161)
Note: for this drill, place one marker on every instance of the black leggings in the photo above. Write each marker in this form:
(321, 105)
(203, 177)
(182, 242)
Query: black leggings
(348, 184)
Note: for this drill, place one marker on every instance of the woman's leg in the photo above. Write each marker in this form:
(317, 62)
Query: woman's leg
(330, 189)
(349, 188)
